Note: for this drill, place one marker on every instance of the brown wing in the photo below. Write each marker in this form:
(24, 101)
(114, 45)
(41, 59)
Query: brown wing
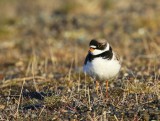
(117, 57)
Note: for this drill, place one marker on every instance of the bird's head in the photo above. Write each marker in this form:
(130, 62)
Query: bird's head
(98, 46)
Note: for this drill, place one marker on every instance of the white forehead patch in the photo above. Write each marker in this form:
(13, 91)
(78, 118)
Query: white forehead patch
(96, 51)
(92, 46)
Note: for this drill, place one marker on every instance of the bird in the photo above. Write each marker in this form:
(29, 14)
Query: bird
(101, 62)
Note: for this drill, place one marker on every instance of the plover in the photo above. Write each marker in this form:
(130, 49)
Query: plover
(101, 62)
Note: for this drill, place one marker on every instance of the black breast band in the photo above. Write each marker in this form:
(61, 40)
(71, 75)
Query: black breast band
(106, 55)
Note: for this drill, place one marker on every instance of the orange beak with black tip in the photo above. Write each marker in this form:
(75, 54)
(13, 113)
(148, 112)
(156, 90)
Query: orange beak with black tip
(91, 49)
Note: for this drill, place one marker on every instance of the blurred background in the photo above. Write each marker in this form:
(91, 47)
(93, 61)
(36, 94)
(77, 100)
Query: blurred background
(51, 28)
(59, 32)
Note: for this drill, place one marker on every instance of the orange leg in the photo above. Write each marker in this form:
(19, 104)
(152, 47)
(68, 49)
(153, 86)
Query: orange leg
(97, 87)
(106, 88)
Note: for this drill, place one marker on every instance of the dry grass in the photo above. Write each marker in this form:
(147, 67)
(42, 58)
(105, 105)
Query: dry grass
(42, 50)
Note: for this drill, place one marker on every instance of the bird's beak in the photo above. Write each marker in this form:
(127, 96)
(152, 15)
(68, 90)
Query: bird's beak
(91, 49)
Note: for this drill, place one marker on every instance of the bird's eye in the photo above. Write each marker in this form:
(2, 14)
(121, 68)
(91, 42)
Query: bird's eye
(100, 45)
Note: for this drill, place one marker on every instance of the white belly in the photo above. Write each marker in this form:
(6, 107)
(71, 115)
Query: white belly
(102, 68)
